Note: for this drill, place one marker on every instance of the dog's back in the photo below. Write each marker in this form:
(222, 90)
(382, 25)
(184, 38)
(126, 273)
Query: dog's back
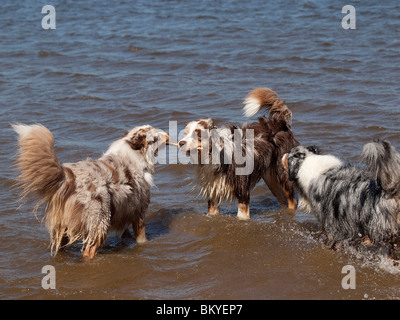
(87, 199)
(350, 204)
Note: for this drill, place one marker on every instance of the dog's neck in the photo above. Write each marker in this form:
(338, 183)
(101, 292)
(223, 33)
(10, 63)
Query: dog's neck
(137, 159)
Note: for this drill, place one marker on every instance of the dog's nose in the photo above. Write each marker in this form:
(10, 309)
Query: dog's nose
(182, 143)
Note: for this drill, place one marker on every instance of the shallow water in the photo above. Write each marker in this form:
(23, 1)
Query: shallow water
(107, 68)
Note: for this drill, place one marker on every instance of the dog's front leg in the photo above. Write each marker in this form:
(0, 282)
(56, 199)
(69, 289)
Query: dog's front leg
(273, 184)
(285, 196)
(213, 208)
(291, 200)
(92, 246)
(90, 252)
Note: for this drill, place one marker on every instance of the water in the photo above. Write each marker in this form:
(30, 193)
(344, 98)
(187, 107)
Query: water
(109, 67)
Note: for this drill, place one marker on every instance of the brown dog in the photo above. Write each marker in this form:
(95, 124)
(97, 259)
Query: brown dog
(272, 139)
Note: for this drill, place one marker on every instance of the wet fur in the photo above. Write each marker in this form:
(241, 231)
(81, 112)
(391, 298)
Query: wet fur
(272, 138)
(87, 199)
(350, 202)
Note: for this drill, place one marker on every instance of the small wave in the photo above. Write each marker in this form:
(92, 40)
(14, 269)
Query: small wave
(206, 17)
(332, 69)
(374, 257)
(69, 74)
(179, 113)
(160, 53)
(135, 106)
(82, 75)
(297, 58)
(7, 182)
(92, 98)
(44, 54)
(202, 66)
(135, 49)
(83, 97)
(288, 72)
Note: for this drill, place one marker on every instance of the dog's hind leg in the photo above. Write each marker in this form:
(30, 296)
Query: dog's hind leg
(92, 246)
(90, 252)
(243, 209)
(213, 208)
(139, 229)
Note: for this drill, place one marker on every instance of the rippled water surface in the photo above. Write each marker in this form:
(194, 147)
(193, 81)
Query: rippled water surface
(109, 66)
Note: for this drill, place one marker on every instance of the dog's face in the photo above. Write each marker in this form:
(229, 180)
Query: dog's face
(146, 139)
(293, 160)
(196, 136)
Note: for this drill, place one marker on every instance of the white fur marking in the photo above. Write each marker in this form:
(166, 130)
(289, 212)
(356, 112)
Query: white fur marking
(149, 178)
(24, 130)
(315, 165)
(251, 106)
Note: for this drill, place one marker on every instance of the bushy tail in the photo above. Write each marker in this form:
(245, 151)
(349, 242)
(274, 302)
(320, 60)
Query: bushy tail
(383, 161)
(41, 174)
(268, 99)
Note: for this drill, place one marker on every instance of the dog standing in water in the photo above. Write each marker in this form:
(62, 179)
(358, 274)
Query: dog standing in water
(350, 202)
(87, 199)
(271, 140)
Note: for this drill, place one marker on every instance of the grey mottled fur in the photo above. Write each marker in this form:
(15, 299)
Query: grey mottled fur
(350, 202)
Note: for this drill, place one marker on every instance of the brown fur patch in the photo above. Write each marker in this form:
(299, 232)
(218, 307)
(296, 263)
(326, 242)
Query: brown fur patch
(138, 141)
(114, 173)
(205, 124)
(285, 162)
(270, 100)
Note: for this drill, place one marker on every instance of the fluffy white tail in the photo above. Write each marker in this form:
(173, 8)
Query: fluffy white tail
(40, 171)
(266, 98)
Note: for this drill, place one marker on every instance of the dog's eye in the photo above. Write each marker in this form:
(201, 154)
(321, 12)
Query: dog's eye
(299, 155)
(313, 149)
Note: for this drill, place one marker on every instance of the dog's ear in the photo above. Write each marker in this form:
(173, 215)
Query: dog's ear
(138, 141)
(313, 149)
(211, 124)
(206, 123)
